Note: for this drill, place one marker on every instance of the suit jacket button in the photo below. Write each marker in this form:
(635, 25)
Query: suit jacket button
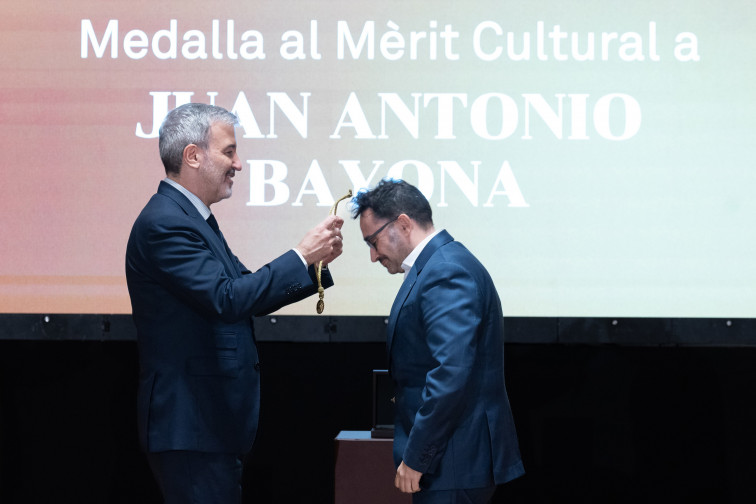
(257, 366)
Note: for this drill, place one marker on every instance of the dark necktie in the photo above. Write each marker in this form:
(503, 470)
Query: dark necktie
(214, 225)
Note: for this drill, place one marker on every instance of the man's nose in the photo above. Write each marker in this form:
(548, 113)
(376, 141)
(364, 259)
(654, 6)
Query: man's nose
(373, 254)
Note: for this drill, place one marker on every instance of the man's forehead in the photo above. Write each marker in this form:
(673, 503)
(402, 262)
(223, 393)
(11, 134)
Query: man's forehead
(223, 133)
(367, 215)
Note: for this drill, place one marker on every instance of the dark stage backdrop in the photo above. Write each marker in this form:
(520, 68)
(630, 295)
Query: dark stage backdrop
(597, 423)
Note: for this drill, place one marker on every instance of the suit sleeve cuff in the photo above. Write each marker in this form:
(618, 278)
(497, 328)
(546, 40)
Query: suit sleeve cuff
(300, 256)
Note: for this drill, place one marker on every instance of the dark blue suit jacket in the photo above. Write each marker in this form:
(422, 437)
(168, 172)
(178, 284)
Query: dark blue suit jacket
(192, 303)
(446, 356)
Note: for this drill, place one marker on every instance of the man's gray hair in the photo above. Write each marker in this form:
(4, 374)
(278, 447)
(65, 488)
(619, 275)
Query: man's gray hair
(188, 124)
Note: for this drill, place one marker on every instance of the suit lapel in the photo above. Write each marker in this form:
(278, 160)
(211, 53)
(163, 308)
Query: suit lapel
(216, 242)
(401, 297)
(441, 239)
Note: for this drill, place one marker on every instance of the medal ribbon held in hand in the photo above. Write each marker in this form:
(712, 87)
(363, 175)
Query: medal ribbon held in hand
(318, 271)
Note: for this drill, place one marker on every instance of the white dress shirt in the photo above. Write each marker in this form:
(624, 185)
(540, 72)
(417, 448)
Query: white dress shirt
(409, 261)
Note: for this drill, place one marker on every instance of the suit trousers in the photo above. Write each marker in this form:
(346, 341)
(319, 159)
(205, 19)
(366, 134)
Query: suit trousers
(187, 477)
(456, 496)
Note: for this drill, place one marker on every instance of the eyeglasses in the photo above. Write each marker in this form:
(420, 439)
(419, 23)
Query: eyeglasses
(373, 238)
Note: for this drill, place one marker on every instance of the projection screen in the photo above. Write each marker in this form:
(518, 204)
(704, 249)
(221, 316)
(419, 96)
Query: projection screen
(596, 156)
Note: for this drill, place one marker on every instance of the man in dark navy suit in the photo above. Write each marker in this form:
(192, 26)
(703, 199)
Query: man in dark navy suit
(454, 437)
(193, 303)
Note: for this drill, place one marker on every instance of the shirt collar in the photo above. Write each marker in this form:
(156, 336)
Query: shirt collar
(409, 261)
(201, 207)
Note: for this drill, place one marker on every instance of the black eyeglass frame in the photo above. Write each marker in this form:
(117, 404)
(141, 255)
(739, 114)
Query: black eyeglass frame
(371, 239)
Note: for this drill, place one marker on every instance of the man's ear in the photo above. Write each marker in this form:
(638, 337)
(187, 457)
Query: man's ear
(192, 156)
(404, 222)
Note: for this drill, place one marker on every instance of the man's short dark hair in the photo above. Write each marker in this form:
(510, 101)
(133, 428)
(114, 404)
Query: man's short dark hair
(391, 198)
